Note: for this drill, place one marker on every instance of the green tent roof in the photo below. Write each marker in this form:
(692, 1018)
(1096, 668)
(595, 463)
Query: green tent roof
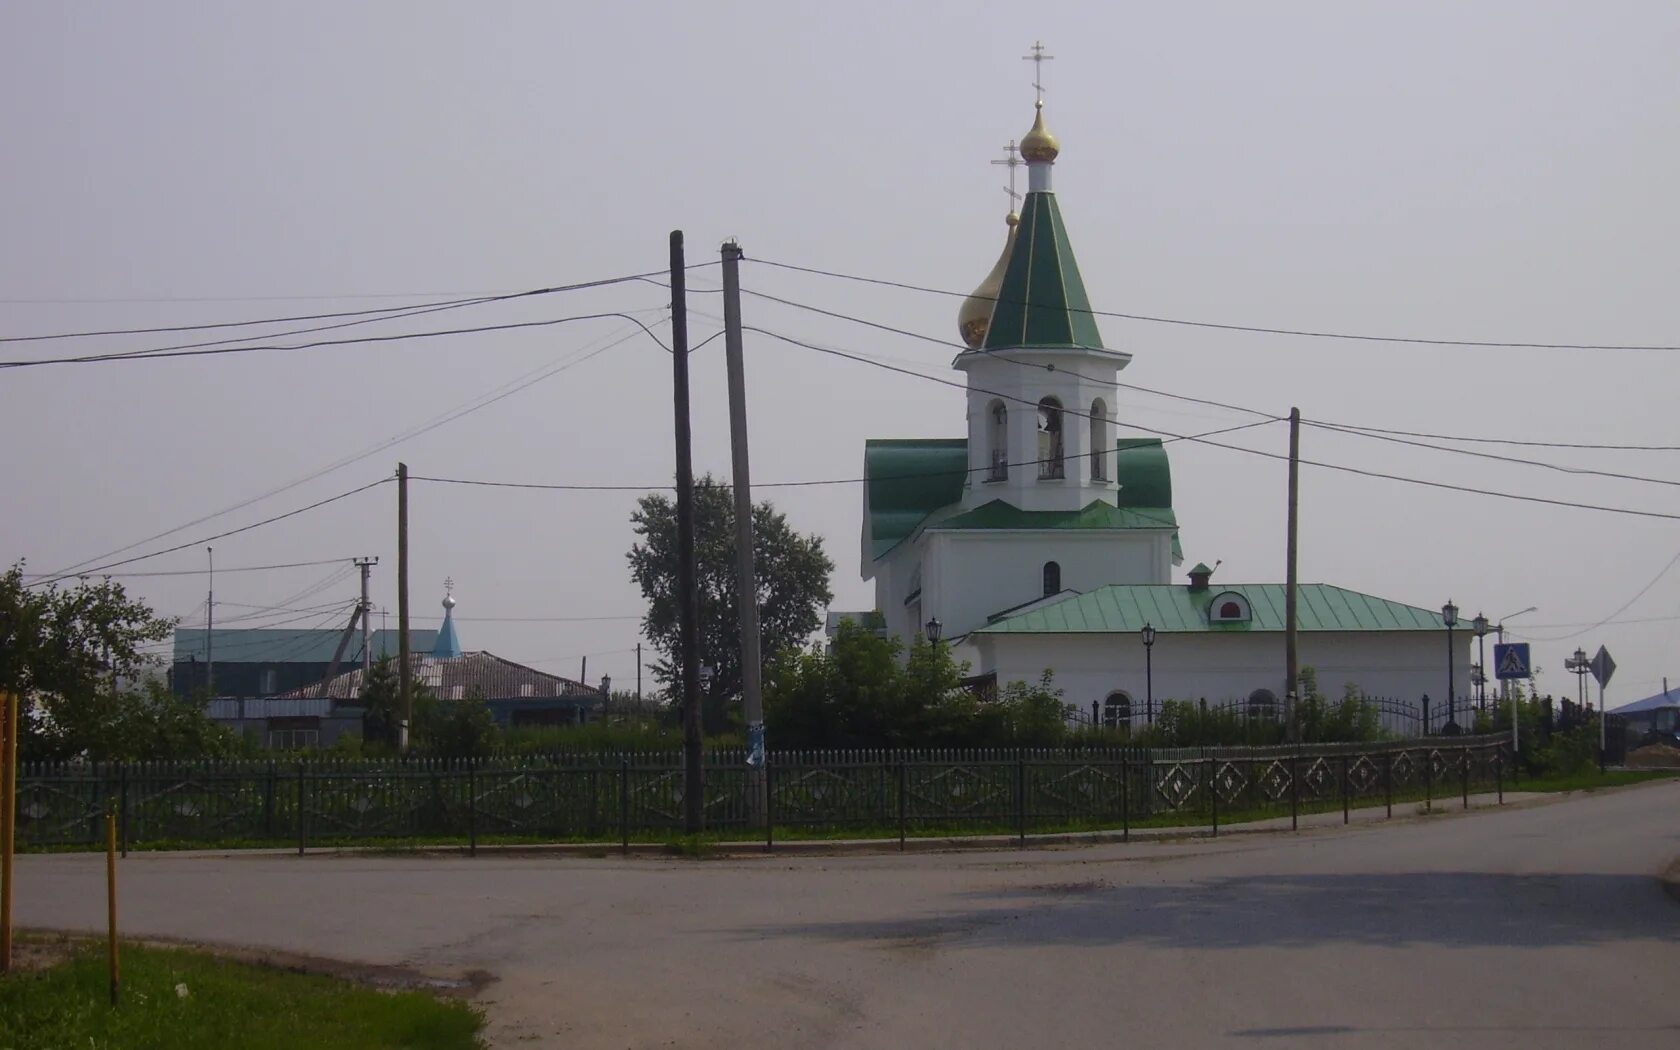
(1122, 609)
(1042, 302)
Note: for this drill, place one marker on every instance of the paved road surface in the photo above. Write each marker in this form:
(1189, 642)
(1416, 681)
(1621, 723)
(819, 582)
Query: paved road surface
(1528, 928)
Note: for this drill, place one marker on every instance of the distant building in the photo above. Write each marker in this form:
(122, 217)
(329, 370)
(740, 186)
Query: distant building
(266, 661)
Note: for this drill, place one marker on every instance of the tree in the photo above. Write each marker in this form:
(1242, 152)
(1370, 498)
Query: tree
(792, 572)
(381, 704)
(462, 728)
(64, 651)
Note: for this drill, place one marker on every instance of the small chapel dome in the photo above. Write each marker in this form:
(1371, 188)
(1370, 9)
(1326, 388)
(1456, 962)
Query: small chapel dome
(975, 315)
(1039, 145)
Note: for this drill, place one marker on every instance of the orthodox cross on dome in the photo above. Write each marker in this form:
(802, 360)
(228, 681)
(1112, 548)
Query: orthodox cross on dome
(1038, 58)
(1011, 160)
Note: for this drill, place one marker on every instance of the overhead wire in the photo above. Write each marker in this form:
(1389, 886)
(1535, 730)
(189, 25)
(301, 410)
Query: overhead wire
(1258, 329)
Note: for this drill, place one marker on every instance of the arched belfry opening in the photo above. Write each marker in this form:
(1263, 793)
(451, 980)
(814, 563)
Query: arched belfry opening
(1051, 457)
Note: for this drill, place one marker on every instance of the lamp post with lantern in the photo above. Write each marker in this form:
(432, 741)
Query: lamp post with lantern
(1148, 634)
(934, 629)
(1449, 616)
(1480, 626)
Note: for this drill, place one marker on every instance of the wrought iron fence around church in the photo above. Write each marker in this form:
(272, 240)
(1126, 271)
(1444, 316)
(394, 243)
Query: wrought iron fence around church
(617, 798)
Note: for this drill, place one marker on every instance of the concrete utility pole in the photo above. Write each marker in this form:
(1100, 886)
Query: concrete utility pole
(366, 565)
(210, 629)
(638, 678)
(405, 674)
(746, 577)
(688, 600)
(1291, 654)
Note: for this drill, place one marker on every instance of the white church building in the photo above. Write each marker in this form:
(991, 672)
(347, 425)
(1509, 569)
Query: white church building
(1042, 540)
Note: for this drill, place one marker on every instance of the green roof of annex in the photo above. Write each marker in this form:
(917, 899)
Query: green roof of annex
(1175, 608)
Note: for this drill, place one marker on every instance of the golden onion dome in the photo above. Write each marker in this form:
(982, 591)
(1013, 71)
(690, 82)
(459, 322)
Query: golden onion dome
(1039, 144)
(975, 316)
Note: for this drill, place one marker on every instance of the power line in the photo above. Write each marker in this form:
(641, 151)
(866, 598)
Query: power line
(1624, 607)
(1238, 448)
(201, 572)
(220, 535)
(158, 355)
(464, 409)
(1305, 333)
(1506, 441)
(1490, 455)
(473, 300)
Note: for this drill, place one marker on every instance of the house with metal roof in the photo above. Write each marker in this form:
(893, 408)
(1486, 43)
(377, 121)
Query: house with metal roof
(1043, 540)
(264, 661)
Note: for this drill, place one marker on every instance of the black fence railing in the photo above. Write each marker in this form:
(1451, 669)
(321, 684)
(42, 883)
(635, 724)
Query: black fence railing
(619, 797)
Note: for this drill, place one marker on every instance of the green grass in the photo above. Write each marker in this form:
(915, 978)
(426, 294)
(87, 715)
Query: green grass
(228, 1004)
(1588, 780)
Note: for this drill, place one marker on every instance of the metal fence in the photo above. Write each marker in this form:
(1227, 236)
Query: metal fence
(612, 798)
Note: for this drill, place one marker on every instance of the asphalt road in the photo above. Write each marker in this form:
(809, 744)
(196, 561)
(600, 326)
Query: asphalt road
(1529, 928)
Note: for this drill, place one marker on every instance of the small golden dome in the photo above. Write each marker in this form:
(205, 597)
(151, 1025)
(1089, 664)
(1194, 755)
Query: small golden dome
(975, 316)
(1039, 144)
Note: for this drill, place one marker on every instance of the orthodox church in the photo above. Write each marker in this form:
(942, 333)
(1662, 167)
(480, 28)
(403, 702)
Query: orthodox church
(1043, 540)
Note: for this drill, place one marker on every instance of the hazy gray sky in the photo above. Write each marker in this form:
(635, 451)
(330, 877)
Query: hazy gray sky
(1491, 171)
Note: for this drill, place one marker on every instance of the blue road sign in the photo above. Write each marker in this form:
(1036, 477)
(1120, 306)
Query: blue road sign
(1510, 660)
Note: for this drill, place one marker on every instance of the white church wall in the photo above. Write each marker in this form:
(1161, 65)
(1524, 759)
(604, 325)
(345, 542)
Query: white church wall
(970, 575)
(1227, 666)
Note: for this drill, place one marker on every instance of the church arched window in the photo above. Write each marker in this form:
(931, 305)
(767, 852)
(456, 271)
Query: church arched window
(998, 443)
(1050, 438)
(1262, 704)
(1099, 440)
(1117, 711)
(1052, 578)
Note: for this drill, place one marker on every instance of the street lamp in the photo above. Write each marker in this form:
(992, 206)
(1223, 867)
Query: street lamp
(1480, 626)
(934, 629)
(1149, 673)
(1580, 665)
(1449, 616)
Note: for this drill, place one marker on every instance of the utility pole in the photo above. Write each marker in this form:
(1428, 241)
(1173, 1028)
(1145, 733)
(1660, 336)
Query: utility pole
(1291, 654)
(638, 677)
(405, 674)
(366, 565)
(583, 670)
(746, 577)
(688, 603)
(210, 628)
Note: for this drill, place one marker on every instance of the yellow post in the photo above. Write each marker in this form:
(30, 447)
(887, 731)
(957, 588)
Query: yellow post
(8, 820)
(111, 894)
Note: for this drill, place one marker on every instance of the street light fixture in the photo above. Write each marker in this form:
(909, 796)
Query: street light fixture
(1449, 616)
(1480, 626)
(1148, 633)
(1580, 665)
(934, 629)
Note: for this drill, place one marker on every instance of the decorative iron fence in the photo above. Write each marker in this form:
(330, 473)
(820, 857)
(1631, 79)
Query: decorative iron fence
(617, 797)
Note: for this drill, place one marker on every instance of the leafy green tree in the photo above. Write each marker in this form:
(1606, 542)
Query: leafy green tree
(381, 705)
(793, 573)
(462, 728)
(63, 650)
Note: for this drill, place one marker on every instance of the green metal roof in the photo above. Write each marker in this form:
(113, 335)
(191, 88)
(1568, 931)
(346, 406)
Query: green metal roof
(270, 645)
(905, 480)
(1042, 302)
(1123, 609)
(1097, 515)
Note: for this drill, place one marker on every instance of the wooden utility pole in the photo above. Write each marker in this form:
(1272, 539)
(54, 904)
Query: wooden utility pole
(12, 722)
(746, 577)
(405, 674)
(688, 602)
(210, 629)
(1291, 653)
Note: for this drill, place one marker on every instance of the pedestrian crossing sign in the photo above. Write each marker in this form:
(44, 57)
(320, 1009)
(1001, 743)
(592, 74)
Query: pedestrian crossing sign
(1510, 660)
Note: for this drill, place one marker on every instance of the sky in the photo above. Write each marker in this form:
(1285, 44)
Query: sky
(1498, 172)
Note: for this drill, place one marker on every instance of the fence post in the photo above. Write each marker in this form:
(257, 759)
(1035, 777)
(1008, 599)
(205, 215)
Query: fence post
(122, 804)
(268, 802)
(1344, 787)
(1125, 797)
(1428, 781)
(1213, 792)
(1499, 773)
(302, 823)
(472, 808)
(903, 785)
(769, 805)
(1464, 766)
(1295, 790)
(1388, 781)
(1020, 798)
(624, 802)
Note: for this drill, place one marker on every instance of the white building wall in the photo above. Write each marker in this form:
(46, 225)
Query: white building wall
(968, 575)
(1227, 666)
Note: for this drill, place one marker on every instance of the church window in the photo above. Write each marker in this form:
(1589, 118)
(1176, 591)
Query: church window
(1050, 438)
(1099, 440)
(1262, 704)
(1052, 578)
(999, 444)
(1117, 711)
(1228, 607)
(1230, 611)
